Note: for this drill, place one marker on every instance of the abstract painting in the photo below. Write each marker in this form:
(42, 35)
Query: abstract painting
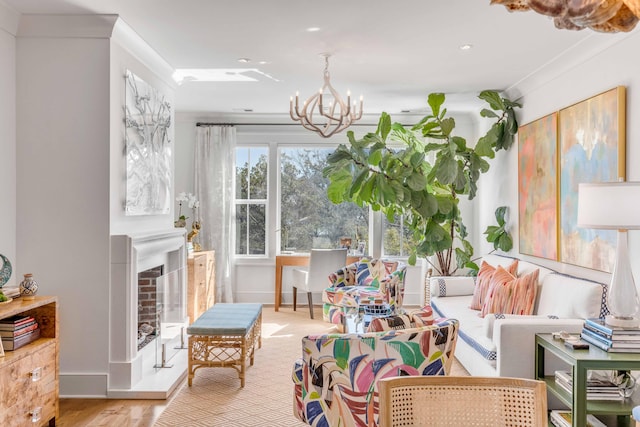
(148, 121)
(592, 149)
(538, 187)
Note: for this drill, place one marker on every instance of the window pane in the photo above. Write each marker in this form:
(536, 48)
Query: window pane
(308, 219)
(258, 177)
(242, 173)
(257, 225)
(398, 239)
(241, 229)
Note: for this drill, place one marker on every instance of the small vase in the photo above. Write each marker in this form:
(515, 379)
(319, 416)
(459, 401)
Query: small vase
(28, 287)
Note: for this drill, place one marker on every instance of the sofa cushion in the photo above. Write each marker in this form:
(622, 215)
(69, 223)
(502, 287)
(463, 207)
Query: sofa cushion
(509, 294)
(586, 297)
(490, 320)
(484, 282)
(473, 333)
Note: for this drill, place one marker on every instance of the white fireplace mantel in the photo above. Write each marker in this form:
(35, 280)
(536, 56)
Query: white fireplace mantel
(131, 254)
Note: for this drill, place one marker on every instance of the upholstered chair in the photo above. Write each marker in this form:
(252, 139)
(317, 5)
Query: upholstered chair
(373, 285)
(322, 262)
(335, 381)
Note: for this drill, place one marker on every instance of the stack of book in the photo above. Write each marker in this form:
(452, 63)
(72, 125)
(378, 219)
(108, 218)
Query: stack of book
(563, 419)
(17, 331)
(597, 388)
(611, 338)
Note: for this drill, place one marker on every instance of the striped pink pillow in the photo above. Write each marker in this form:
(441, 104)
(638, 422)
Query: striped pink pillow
(483, 282)
(510, 295)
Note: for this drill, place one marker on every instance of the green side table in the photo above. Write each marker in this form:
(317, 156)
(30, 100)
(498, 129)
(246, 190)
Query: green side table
(580, 362)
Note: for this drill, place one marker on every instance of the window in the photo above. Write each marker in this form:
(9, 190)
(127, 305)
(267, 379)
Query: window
(251, 200)
(307, 218)
(398, 239)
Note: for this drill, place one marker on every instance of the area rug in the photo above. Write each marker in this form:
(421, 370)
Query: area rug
(216, 398)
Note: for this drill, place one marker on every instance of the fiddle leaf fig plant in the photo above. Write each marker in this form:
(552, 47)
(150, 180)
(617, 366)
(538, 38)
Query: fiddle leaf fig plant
(420, 173)
(498, 234)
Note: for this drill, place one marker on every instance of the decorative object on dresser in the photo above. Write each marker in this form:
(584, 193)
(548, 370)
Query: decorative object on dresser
(28, 287)
(606, 206)
(5, 271)
(29, 373)
(201, 279)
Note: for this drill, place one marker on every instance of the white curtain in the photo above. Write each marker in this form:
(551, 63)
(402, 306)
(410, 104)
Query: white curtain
(214, 171)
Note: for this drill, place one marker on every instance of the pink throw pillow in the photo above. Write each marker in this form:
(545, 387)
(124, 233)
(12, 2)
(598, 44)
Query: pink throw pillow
(511, 295)
(484, 281)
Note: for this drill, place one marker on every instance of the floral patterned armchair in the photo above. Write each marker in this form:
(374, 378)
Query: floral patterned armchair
(377, 285)
(335, 381)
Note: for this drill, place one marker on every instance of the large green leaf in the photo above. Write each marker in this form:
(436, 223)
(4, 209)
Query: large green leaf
(435, 101)
(493, 99)
(416, 181)
(384, 126)
(500, 213)
(446, 168)
(488, 113)
(505, 243)
(375, 157)
(429, 205)
(447, 125)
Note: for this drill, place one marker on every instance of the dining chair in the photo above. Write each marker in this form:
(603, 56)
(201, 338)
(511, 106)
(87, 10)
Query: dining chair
(438, 401)
(322, 262)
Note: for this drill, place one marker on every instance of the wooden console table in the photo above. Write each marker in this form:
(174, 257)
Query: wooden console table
(295, 260)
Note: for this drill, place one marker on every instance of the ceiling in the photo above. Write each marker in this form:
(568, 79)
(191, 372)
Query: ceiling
(393, 53)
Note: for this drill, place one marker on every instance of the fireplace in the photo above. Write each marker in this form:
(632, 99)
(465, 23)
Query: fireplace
(147, 305)
(139, 371)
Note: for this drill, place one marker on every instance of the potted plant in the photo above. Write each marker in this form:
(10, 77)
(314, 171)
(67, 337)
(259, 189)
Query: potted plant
(424, 178)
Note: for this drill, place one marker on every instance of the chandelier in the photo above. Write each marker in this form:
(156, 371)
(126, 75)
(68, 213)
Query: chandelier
(607, 16)
(325, 112)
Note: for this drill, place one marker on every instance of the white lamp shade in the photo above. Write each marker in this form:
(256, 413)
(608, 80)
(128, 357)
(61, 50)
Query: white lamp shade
(609, 205)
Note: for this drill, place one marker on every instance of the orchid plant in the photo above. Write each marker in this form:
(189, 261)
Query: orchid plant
(191, 202)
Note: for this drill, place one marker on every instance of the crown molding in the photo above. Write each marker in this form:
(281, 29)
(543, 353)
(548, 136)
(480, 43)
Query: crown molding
(9, 19)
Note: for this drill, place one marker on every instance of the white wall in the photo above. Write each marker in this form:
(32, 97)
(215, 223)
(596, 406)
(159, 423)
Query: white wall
(8, 28)
(70, 175)
(591, 75)
(63, 183)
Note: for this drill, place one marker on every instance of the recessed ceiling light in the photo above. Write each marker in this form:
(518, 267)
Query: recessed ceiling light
(244, 60)
(313, 29)
(466, 46)
(262, 62)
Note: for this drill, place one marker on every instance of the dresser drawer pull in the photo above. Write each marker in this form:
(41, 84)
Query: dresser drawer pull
(36, 414)
(36, 374)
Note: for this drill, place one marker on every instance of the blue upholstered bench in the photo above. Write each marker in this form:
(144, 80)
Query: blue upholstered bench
(225, 336)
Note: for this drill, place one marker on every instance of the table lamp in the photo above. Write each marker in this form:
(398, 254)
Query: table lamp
(615, 206)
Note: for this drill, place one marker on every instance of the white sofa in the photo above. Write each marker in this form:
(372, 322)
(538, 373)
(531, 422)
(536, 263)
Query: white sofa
(504, 345)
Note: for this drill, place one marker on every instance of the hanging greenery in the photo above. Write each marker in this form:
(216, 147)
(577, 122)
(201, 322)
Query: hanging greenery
(424, 178)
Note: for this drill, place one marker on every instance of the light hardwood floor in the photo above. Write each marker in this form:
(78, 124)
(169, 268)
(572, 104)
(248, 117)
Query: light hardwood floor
(110, 412)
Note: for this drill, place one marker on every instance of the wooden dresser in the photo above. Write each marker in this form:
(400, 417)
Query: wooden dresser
(29, 387)
(201, 280)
